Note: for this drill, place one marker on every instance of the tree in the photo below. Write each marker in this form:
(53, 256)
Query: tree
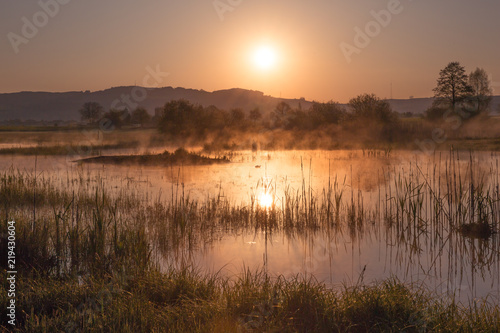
(180, 117)
(370, 107)
(213, 119)
(326, 113)
(452, 86)
(237, 117)
(282, 109)
(91, 112)
(481, 90)
(255, 114)
(140, 116)
(280, 113)
(118, 118)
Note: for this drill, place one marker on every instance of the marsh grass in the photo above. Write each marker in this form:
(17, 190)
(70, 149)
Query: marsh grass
(91, 260)
(86, 226)
(187, 301)
(179, 157)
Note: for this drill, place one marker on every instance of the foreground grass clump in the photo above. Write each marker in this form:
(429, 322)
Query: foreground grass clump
(186, 301)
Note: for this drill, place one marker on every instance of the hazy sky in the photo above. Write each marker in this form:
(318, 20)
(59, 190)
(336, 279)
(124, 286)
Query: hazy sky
(206, 44)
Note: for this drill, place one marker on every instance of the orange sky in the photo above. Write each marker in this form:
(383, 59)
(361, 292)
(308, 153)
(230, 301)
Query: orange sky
(325, 50)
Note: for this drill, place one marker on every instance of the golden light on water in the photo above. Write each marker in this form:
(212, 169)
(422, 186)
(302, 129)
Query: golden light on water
(266, 200)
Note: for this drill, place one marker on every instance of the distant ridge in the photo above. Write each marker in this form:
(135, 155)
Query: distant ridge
(49, 106)
(64, 106)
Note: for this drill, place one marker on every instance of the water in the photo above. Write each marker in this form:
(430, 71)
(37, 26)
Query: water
(436, 256)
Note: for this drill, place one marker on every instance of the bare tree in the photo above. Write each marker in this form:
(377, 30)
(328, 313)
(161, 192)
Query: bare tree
(481, 90)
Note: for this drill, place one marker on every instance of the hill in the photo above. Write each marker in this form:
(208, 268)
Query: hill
(416, 106)
(64, 106)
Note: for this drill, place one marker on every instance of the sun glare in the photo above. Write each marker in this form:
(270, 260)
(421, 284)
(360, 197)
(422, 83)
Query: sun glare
(266, 200)
(265, 57)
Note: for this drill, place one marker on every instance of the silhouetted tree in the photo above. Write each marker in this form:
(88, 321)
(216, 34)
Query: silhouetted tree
(91, 112)
(326, 113)
(280, 114)
(452, 86)
(177, 117)
(140, 116)
(214, 119)
(481, 90)
(255, 114)
(370, 107)
(282, 109)
(237, 117)
(298, 119)
(118, 117)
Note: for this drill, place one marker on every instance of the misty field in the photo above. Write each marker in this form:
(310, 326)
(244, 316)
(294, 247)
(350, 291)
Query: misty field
(342, 240)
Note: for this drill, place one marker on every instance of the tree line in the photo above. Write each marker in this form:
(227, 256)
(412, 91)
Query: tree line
(180, 115)
(93, 113)
(456, 93)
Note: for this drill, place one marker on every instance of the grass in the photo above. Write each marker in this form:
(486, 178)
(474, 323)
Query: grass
(89, 259)
(187, 301)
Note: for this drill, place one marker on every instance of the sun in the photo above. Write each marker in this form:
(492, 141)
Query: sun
(264, 57)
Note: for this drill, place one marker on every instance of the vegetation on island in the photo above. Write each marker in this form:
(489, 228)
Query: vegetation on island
(179, 157)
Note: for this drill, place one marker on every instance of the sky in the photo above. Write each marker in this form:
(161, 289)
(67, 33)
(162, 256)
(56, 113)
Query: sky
(318, 49)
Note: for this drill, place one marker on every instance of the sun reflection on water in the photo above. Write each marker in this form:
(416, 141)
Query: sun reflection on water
(266, 200)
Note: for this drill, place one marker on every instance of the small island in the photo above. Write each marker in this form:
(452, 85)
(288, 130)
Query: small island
(179, 157)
